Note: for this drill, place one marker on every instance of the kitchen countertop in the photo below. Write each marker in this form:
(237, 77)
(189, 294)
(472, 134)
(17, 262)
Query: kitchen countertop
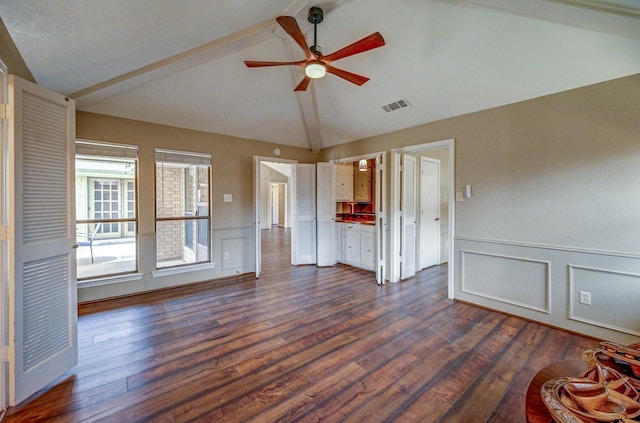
(371, 222)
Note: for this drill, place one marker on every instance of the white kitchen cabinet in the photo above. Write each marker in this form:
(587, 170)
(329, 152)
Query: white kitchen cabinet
(344, 182)
(362, 186)
(340, 242)
(352, 244)
(368, 247)
(357, 245)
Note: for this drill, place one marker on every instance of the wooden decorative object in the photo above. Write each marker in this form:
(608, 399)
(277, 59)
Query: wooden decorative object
(564, 408)
(629, 354)
(601, 369)
(608, 391)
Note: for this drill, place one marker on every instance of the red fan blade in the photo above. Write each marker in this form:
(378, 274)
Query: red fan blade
(302, 86)
(351, 77)
(254, 64)
(289, 24)
(369, 42)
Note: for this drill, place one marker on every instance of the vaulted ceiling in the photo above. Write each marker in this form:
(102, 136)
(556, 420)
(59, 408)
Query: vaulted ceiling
(180, 63)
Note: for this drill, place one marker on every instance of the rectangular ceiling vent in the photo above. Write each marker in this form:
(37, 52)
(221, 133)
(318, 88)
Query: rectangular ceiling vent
(396, 105)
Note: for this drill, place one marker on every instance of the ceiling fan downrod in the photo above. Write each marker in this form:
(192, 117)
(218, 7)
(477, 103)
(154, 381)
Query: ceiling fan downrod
(316, 15)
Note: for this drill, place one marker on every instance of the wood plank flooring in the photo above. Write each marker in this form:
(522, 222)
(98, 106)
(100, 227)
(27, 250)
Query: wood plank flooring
(300, 344)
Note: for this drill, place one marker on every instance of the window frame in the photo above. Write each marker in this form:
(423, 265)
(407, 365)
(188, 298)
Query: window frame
(99, 150)
(188, 159)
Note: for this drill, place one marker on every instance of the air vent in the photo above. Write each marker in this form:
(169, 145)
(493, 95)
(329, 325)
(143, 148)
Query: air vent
(396, 105)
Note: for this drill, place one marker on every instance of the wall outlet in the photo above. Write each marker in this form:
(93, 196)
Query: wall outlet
(147, 280)
(585, 297)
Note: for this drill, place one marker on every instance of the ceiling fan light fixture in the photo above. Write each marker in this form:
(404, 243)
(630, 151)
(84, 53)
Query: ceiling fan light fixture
(315, 70)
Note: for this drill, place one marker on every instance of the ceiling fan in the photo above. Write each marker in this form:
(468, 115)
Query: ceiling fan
(316, 65)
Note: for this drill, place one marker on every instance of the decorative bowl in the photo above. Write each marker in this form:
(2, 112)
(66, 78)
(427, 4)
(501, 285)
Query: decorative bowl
(587, 394)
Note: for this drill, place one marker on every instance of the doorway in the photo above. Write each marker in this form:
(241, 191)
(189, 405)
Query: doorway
(366, 202)
(428, 213)
(422, 220)
(274, 201)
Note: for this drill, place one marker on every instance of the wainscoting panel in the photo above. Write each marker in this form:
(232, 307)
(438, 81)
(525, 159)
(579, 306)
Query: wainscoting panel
(234, 250)
(605, 287)
(543, 283)
(232, 253)
(513, 280)
(238, 242)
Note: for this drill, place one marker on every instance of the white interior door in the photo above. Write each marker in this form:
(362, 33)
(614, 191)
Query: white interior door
(4, 244)
(43, 297)
(265, 198)
(408, 217)
(381, 219)
(326, 206)
(257, 194)
(304, 231)
(429, 240)
(275, 204)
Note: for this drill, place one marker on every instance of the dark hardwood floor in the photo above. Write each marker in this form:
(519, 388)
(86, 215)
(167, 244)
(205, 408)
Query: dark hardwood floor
(300, 344)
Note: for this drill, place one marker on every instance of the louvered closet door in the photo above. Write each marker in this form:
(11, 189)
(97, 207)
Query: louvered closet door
(326, 214)
(304, 233)
(43, 290)
(408, 234)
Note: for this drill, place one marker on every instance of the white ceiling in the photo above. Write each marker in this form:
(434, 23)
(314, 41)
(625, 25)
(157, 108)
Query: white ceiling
(180, 62)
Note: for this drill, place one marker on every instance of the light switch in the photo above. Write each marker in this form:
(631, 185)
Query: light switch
(227, 198)
(459, 196)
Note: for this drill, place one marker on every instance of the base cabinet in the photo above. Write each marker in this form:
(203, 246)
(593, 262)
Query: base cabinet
(368, 249)
(352, 244)
(356, 245)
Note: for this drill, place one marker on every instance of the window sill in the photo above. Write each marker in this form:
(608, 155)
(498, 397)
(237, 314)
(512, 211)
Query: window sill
(183, 269)
(130, 277)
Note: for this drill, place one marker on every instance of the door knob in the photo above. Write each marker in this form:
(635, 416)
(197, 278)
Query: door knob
(437, 218)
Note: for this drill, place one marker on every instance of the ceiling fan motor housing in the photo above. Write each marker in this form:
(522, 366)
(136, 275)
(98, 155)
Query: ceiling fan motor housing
(316, 15)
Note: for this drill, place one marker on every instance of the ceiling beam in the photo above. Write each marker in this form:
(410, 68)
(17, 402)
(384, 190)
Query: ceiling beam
(309, 107)
(187, 59)
(179, 62)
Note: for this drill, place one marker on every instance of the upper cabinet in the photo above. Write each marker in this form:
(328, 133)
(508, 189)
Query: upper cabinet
(344, 182)
(362, 182)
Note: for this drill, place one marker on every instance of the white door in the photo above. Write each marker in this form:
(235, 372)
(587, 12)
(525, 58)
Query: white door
(381, 218)
(257, 194)
(275, 204)
(4, 242)
(326, 205)
(304, 231)
(408, 217)
(265, 198)
(43, 294)
(429, 240)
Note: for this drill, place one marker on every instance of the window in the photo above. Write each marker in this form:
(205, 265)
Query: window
(183, 212)
(106, 222)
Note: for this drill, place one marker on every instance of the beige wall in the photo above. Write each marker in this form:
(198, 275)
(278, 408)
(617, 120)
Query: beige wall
(555, 206)
(11, 57)
(562, 169)
(232, 170)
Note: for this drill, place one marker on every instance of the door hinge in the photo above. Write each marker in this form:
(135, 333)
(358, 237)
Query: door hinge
(6, 111)
(4, 354)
